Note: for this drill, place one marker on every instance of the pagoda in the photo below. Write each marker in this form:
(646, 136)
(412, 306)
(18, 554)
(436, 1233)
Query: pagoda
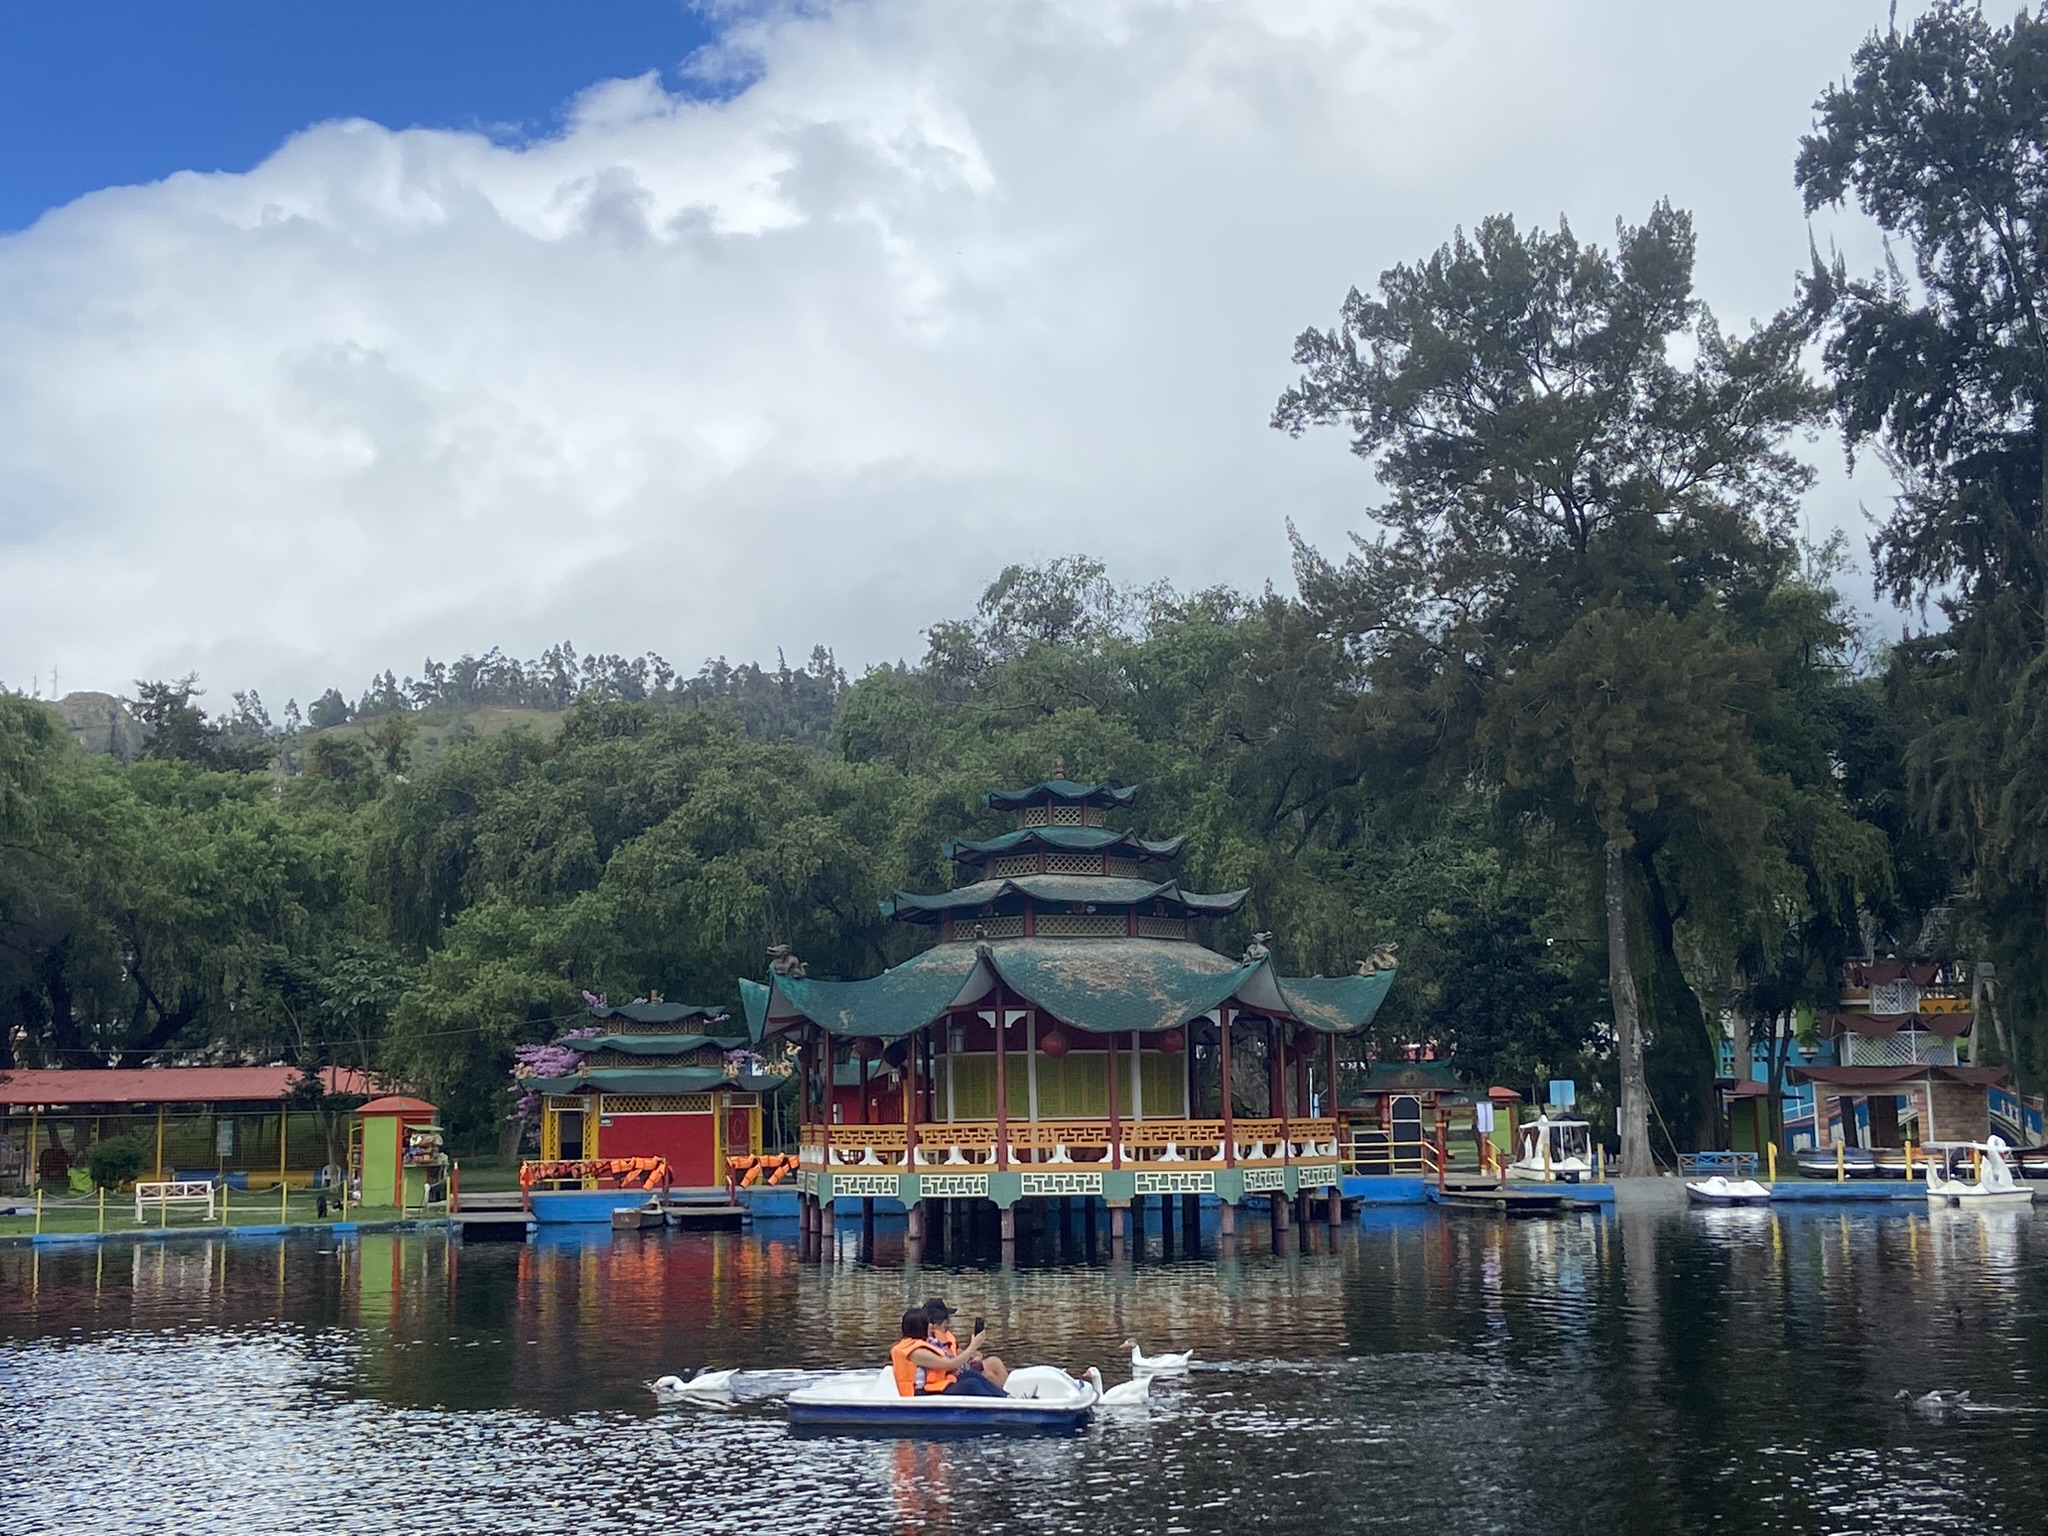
(655, 1079)
(1066, 1035)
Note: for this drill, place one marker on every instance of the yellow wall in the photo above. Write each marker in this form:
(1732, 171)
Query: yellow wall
(1074, 1086)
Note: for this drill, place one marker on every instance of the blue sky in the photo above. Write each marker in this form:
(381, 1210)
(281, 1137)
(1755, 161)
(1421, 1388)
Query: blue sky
(97, 93)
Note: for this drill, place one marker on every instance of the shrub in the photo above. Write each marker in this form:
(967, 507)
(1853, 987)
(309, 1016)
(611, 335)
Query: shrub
(114, 1160)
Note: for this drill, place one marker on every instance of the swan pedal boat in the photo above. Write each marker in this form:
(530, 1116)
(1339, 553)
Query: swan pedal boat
(869, 1400)
(1973, 1173)
(1722, 1190)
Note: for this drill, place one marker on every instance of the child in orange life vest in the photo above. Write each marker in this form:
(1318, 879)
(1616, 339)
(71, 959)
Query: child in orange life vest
(973, 1358)
(921, 1370)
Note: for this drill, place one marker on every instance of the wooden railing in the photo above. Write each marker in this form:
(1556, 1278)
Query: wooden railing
(973, 1142)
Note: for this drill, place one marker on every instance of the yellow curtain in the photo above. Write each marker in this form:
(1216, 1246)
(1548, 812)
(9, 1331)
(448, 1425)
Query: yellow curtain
(1072, 1087)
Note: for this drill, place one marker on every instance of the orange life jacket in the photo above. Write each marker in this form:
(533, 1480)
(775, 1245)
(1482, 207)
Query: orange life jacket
(910, 1379)
(941, 1342)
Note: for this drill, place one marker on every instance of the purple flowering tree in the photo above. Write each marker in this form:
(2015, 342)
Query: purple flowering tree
(531, 1062)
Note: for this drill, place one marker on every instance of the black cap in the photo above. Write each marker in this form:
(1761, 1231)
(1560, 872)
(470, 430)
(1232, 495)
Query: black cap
(937, 1310)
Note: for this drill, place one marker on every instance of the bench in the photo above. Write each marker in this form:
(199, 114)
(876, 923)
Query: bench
(1734, 1165)
(160, 1195)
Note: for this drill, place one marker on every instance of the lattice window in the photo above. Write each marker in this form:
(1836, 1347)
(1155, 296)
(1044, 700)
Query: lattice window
(1123, 869)
(1073, 864)
(1162, 928)
(566, 1103)
(962, 928)
(1895, 997)
(1091, 815)
(1032, 816)
(657, 1104)
(695, 1026)
(1002, 869)
(1067, 815)
(1080, 925)
(622, 1059)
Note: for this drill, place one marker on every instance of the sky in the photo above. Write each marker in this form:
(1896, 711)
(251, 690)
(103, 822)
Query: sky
(335, 337)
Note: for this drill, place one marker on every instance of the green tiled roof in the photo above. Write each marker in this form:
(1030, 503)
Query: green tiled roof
(655, 1080)
(658, 1013)
(1095, 890)
(653, 1045)
(1100, 986)
(1065, 791)
(1062, 839)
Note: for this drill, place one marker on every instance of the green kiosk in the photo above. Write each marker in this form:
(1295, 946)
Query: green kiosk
(395, 1154)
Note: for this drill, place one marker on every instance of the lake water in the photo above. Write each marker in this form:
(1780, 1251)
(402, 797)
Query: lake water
(1422, 1372)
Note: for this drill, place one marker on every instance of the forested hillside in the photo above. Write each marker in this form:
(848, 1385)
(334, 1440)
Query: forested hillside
(1582, 726)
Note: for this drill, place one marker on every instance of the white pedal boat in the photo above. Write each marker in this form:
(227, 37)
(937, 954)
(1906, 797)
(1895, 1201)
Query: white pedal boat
(1722, 1190)
(1972, 1173)
(869, 1400)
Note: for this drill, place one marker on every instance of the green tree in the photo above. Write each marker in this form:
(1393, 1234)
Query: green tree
(1571, 447)
(1940, 134)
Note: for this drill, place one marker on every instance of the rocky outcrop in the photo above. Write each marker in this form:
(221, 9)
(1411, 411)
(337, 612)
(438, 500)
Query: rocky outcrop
(101, 723)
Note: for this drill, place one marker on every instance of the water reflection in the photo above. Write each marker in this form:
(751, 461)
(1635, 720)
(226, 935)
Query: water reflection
(1415, 1372)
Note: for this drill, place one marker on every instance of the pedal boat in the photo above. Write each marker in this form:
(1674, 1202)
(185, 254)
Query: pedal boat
(1972, 1173)
(1722, 1190)
(868, 1400)
(1553, 1152)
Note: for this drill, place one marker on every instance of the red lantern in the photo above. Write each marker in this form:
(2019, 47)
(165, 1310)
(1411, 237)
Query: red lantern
(1053, 1044)
(1306, 1040)
(865, 1050)
(1172, 1041)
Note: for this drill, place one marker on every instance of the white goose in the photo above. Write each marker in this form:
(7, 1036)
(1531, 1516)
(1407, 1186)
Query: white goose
(1124, 1394)
(1157, 1365)
(703, 1384)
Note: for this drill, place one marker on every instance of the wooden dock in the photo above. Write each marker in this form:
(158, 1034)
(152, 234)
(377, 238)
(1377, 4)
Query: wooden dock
(712, 1212)
(497, 1216)
(1486, 1192)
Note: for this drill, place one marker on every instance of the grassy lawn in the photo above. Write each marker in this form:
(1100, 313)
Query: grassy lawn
(81, 1213)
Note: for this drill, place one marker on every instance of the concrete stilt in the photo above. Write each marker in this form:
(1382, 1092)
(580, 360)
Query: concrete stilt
(825, 1222)
(1118, 1216)
(914, 1223)
(1227, 1220)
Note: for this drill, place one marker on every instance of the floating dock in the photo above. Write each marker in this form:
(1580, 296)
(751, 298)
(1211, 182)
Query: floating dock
(499, 1217)
(1485, 1192)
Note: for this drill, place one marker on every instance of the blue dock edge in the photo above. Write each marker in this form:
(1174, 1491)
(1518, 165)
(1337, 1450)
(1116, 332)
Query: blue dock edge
(1363, 1189)
(1854, 1191)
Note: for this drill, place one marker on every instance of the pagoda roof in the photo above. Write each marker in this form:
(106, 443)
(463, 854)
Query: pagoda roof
(1064, 791)
(1084, 890)
(659, 1013)
(1438, 1076)
(1098, 986)
(651, 1045)
(654, 1080)
(1063, 840)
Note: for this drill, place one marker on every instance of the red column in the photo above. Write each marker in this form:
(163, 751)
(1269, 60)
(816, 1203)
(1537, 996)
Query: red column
(1002, 1089)
(1281, 1067)
(1229, 1133)
(863, 1084)
(910, 1090)
(1116, 1110)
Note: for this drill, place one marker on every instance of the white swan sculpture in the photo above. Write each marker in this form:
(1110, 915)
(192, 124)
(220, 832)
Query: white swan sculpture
(1125, 1394)
(1157, 1365)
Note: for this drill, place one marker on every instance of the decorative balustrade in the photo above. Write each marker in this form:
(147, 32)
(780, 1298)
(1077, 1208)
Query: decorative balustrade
(955, 1143)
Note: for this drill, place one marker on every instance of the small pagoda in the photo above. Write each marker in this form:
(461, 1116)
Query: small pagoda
(655, 1079)
(1066, 1035)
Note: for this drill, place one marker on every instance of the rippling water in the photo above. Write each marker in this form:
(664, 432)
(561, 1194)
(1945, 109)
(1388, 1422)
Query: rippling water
(1428, 1372)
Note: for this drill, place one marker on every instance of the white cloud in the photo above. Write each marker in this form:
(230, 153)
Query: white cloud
(946, 286)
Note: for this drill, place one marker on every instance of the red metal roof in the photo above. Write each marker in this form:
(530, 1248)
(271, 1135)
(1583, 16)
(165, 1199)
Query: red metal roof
(397, 1104)
(163, 1085)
